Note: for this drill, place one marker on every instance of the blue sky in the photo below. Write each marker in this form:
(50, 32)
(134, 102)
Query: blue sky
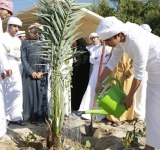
(19, 5)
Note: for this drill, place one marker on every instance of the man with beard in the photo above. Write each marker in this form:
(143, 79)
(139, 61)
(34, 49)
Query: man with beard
(35, 82)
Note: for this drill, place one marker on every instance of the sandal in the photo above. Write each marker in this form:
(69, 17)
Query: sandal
(116, 124)
(66, 118)
(139, 121)
(19, 122)
(33, 122)
(109, 123)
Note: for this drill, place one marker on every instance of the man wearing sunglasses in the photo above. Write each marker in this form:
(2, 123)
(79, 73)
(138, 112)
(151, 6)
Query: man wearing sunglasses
(34, 77)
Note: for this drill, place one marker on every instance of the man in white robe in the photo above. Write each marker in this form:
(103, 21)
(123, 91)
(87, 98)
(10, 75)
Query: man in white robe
(12, 86)
(6, 10)
(5, 66)
(144, 48)
(95, 56)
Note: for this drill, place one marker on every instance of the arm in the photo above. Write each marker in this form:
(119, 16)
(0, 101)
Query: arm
(140, 52)
(15, 54)
(129, 99)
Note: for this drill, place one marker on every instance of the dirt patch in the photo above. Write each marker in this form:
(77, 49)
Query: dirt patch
(105, 137)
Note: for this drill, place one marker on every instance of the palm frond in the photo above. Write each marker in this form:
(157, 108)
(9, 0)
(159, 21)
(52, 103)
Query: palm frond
(60, 22)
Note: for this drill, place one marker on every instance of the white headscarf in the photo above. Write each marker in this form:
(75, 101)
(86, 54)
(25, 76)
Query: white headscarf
(21, 33)
(146, 27)
(15, 21)
(109, 27)
(33, 27)
(93, 35)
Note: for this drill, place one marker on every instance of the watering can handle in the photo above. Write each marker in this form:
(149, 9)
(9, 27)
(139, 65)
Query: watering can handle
(110, 79)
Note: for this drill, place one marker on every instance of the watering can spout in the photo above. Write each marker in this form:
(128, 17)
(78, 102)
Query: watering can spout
(101, 111)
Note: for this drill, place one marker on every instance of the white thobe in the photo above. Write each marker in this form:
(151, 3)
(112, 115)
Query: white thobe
(144, 48)
(88, 98)
(12, 86)
(4, 66)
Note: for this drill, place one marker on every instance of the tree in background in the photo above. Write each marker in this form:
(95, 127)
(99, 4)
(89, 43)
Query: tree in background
(102, 8)
(137, 11)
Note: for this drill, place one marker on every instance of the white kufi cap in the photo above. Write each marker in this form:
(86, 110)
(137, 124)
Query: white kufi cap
(93, 35)
(109, 27)
(15, 21)
(146, 27)
(21, 33)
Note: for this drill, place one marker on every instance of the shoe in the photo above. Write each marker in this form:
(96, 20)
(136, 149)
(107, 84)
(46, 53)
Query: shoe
(33, 122)
(19, 122)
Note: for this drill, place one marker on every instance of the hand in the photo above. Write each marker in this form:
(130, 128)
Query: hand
(34, 75)
(127, 74)
(8, 73)
(74, 60)
(17, 49)
(127, 101)
(39, 75)
(8, 49)
(98, 85)
(3, 76)
(37, 25)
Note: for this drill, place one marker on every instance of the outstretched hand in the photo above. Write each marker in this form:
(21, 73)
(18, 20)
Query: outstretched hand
(128, 101)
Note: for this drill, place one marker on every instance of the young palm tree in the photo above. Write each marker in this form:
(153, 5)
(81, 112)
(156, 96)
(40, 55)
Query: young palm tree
(60, 21)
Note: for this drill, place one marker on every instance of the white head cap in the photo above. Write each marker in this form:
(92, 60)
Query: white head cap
(146, 27)
(21, 33)
(15, 21)
(109, 27)
(33, 27)
(93, 35)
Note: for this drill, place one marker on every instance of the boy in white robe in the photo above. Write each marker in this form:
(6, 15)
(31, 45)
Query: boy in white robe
(21, 35)
(6, 10)
(12, 86)
(144, 48)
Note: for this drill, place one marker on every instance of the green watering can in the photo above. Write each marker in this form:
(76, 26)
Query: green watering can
(109, 100)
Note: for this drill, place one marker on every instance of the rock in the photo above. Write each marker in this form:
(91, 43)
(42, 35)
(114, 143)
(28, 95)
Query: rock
(97, 134)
